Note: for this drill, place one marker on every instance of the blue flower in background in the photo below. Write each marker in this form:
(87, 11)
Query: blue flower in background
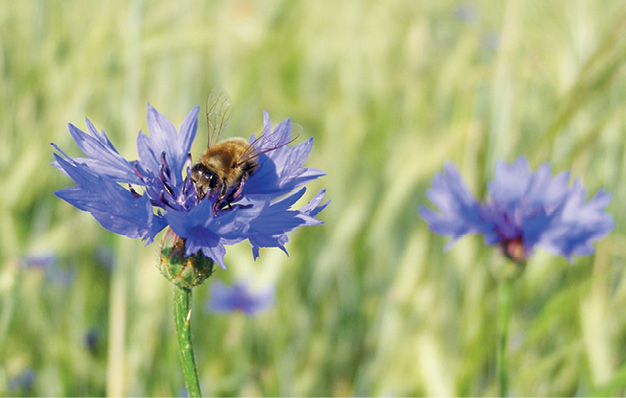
(465, 13)
(41, 261)
(238, 298)
(525, 210)
(23, 382)
(140, 198)
(48, 263)
(91, 339)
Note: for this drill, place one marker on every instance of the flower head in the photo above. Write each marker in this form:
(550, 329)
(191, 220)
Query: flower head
(525, 210)
(91, 339)
(47, 263)
(140, 198)
(238, 298)
(23, 382)
(465, 12)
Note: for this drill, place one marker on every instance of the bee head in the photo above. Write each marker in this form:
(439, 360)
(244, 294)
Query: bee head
(203, 179)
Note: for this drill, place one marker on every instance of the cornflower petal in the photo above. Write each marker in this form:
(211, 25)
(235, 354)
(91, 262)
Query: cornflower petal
(266, 223)
(312, 208)
(280, 136)
(201, 231)
(460, 212)
(280, 171)
(164, 138)
(510, 184)
(102, 158)
(115, 208)
(578, 224)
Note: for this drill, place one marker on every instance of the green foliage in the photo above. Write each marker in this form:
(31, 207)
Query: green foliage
(368, 304)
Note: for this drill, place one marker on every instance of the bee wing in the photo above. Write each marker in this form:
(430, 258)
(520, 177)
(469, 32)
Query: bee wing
(219, 109)
(272, 137)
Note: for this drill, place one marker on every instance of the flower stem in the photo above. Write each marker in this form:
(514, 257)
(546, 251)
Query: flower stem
(504, 315)
(182, 319)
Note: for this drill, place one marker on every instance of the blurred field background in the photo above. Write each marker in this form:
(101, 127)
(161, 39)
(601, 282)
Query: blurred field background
(368, 304)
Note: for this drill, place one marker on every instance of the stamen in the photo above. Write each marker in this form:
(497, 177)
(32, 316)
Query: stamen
(162, 199)
(164, 161)
(133, 192)
(162, 171)
(136, 168)
(185, 188)
(167, 201)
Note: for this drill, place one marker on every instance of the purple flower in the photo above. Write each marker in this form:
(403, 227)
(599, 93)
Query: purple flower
(238, 298)
(491, 41)
(23, 382)
(47, 263)
(40, 261)
(140, 198)
(91, 339)
(465, 13)
(525, 210)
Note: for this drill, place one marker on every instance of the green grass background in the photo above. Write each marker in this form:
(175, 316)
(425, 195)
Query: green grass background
(367, 304)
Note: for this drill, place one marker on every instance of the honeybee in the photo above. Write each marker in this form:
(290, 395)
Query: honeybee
(226, 165)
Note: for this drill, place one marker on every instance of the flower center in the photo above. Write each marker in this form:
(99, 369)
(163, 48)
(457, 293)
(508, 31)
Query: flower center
(513, 248)
(162, 188)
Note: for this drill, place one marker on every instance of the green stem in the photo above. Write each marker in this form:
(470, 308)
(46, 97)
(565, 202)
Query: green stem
(182, 319)
(504, 315)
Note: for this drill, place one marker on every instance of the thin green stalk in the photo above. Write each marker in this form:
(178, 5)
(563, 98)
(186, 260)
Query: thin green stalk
(120, 300)
(504, 315)
(182, 319)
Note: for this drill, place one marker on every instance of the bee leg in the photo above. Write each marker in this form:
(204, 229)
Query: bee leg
(236, 192)
(200, 192)
(219, 202)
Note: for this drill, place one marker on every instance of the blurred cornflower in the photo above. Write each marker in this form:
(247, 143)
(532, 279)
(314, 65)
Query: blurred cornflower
(39, 261)
(525, 210)
(91, 339)
(491, 41)
(238, 298)
(465, 13)
(23, 382)
(47, 262)
(140, 198)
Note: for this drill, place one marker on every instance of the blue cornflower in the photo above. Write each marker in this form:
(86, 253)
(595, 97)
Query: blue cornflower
(140, 198)
(47, 262)
(23, 382)
(525, 210)
(42, 261)
(91, 339)
(238, 298)
(465, 13)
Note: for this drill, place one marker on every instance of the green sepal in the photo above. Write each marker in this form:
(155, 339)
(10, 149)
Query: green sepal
(184, 272)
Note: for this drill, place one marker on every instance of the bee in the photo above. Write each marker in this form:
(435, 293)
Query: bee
(226, 165)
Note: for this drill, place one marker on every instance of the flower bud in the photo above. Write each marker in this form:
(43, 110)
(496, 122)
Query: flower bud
(180, 270)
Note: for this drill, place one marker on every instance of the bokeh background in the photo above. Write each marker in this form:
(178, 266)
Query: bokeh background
(367, 304)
